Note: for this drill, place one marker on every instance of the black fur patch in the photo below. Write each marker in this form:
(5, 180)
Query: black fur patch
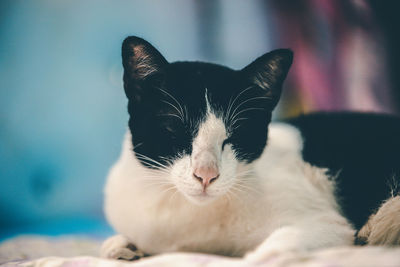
(167, 101)
(363, 149)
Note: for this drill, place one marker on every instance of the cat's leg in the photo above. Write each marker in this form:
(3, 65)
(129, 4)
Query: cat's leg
(119, 247)
(316, 232)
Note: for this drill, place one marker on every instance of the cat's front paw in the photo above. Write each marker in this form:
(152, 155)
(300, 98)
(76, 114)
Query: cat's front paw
(283, 242)
(264, 254)
(118, 247)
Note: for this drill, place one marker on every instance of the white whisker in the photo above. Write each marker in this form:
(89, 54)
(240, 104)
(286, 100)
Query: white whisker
(246, 101)
(227, 194)
(144, 157)
(234, 122)
(168, 189)
(244, 173)
(172, 115)
(246, 188)
(172, 105)
(244, 110)
(231, 104)
(173, 195)
(233, 193)
(180, 110)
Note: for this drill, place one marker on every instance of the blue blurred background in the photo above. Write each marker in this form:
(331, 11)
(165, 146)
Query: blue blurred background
(63, 109)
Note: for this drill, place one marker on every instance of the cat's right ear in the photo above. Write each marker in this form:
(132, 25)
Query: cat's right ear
(142, 64)
(269, 71)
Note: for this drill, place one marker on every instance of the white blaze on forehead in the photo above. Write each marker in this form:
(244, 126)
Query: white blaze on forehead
(207, 143)
(211, 133)
(207, 102)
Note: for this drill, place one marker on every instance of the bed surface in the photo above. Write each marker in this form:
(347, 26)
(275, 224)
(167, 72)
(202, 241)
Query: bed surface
(83, 251)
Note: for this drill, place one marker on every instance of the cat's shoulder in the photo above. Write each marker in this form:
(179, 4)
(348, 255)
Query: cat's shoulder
(283, 136)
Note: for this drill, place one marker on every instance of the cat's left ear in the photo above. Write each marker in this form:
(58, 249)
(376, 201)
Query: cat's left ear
(142, 63)
(269, 71)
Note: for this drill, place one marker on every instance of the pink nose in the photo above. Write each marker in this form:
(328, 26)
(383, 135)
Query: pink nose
(206, 175)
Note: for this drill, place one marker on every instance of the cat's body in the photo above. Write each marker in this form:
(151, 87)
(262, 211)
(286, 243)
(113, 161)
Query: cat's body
(202, 169)
(273, 196)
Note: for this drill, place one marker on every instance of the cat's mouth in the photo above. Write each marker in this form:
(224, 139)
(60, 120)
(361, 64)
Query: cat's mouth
(203, 194)
(201, 198)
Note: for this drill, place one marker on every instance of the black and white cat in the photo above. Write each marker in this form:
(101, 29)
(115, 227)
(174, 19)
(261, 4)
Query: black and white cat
(203, 169)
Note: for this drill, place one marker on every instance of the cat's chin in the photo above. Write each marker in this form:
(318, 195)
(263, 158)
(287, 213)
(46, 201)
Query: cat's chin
(201, 198)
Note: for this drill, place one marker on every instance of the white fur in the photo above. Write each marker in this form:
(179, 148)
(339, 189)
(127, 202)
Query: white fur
(277, 203)
(383, 227)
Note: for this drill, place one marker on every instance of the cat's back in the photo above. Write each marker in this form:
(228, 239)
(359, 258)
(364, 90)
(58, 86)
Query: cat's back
(362, 149)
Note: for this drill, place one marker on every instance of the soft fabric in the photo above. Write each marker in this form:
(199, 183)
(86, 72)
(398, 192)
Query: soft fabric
(81, 251)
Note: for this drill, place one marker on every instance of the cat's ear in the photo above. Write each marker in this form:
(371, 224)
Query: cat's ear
(269, 71)
(142, 62)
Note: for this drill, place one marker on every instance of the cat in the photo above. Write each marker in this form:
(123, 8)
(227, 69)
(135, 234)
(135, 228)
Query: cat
(203, 168)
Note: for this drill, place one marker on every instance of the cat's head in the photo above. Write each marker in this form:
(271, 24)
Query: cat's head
(197, 124)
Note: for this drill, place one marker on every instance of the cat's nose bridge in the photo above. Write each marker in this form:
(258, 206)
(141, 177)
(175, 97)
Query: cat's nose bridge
(206, 152)
(205, 158)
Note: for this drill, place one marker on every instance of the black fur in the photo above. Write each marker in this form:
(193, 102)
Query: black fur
(362, 149)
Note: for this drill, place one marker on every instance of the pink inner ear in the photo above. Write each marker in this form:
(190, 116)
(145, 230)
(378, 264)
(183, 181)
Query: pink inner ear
(140, 59)
(138, 51)
(142, 63)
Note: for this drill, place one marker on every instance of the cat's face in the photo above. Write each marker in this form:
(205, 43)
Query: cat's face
(199, 125)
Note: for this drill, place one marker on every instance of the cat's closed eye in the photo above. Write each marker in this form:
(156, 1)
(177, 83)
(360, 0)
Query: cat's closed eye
(226, 141)
(172, 132)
